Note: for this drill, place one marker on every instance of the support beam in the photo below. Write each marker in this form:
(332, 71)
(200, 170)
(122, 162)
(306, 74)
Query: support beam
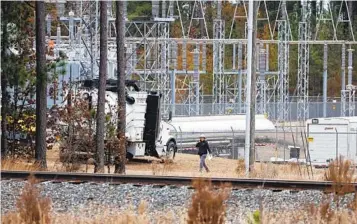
(240, 77)
(324, 88)
(343, 80)
(350, 65)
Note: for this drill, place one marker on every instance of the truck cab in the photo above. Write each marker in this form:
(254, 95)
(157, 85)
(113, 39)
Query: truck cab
(146, 133)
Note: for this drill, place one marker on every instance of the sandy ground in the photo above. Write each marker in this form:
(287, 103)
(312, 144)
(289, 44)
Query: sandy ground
(183, 165)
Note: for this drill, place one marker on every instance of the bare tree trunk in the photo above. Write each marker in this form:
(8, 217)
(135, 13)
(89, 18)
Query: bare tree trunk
(102, 85)
(120, 25)
(4, 100)
(253, 88)
(41, 86)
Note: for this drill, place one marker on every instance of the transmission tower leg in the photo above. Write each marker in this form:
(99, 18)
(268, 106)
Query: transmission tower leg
(324, 93)
(350, 65)
(343, 80)
(240, 76)
(173, 92)
(350, 87)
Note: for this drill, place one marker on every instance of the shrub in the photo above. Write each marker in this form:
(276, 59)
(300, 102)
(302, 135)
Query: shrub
(163, 167)
(240, 169)
(32, 208)
(254, 218)
(340, 173)
(207, 206)
(323, 211)
(18, 164)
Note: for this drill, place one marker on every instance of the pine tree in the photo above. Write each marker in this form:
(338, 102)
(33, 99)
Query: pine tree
(41, 86)
(102, 85)
(120, 26)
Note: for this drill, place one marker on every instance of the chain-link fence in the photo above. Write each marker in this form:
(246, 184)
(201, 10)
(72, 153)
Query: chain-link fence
(333, 109)
(286, 143)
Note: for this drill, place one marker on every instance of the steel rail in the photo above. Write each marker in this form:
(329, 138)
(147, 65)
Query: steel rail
(167, 180)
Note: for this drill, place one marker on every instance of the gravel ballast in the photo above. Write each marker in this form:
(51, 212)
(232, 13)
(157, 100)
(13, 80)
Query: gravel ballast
(77, 198)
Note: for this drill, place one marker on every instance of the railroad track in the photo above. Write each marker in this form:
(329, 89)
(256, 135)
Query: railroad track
(167, 180)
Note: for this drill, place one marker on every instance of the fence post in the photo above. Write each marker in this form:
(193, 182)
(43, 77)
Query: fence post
(180, 138)
(234, 155)
(336, 144)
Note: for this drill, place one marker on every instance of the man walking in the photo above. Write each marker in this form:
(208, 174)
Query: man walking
(203, 149)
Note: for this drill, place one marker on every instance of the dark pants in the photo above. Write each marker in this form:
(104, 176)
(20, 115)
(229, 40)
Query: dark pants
(203, 162)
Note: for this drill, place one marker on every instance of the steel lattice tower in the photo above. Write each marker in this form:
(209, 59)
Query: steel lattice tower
(283, 61)
(153, 55)
(303, 64)
(219, 79)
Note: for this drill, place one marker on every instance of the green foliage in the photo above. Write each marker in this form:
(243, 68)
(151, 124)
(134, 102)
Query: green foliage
(93, 113)
(139, 10)
(55, 69)
(254, 218)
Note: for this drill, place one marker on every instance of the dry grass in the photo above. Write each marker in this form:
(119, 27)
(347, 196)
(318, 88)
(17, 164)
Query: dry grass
(18, 164)
(130, 216)
(317, 216)
(341, 173)
(240, 169)
(162, 168)
(329, 210)
(183, 165)
(207, 206)
(274, 171)
(72, 167)
(323, 213)
(31, 207)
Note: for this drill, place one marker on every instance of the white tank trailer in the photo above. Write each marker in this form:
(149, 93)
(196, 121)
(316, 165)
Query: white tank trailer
(225, 133)
(148, 135)
(330, 138)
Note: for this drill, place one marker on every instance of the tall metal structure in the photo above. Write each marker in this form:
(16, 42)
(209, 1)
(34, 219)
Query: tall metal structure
(261, 81)
(348, 95)
(283, 61)
(219, 78)
(343, 80)
(176, 66)
(324, 83)
(303, 63)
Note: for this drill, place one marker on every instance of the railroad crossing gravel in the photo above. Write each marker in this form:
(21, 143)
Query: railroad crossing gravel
(80, 198)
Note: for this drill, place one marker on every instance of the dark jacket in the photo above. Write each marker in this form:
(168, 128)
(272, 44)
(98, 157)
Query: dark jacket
(203, 148)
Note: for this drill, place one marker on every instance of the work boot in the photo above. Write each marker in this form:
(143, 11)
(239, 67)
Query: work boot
(207, 170)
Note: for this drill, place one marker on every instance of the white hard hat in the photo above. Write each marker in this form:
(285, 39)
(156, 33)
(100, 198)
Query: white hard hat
(202, 136)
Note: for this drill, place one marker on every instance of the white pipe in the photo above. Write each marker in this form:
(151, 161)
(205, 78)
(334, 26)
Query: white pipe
(248, 96)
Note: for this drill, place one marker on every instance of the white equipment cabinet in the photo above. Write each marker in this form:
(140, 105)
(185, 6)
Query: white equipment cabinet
(329, 138)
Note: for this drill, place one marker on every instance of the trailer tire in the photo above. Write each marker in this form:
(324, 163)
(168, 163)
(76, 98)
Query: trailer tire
(129, 156)
(171, 150)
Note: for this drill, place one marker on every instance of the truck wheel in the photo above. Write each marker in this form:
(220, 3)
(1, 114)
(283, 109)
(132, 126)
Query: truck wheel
(129, 156)
(171, 150)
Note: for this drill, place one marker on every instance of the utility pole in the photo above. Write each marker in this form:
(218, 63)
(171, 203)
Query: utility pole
(250, 67)
(253, 87)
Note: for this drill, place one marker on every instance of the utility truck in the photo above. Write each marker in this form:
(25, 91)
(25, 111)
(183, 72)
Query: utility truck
(146, 133)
